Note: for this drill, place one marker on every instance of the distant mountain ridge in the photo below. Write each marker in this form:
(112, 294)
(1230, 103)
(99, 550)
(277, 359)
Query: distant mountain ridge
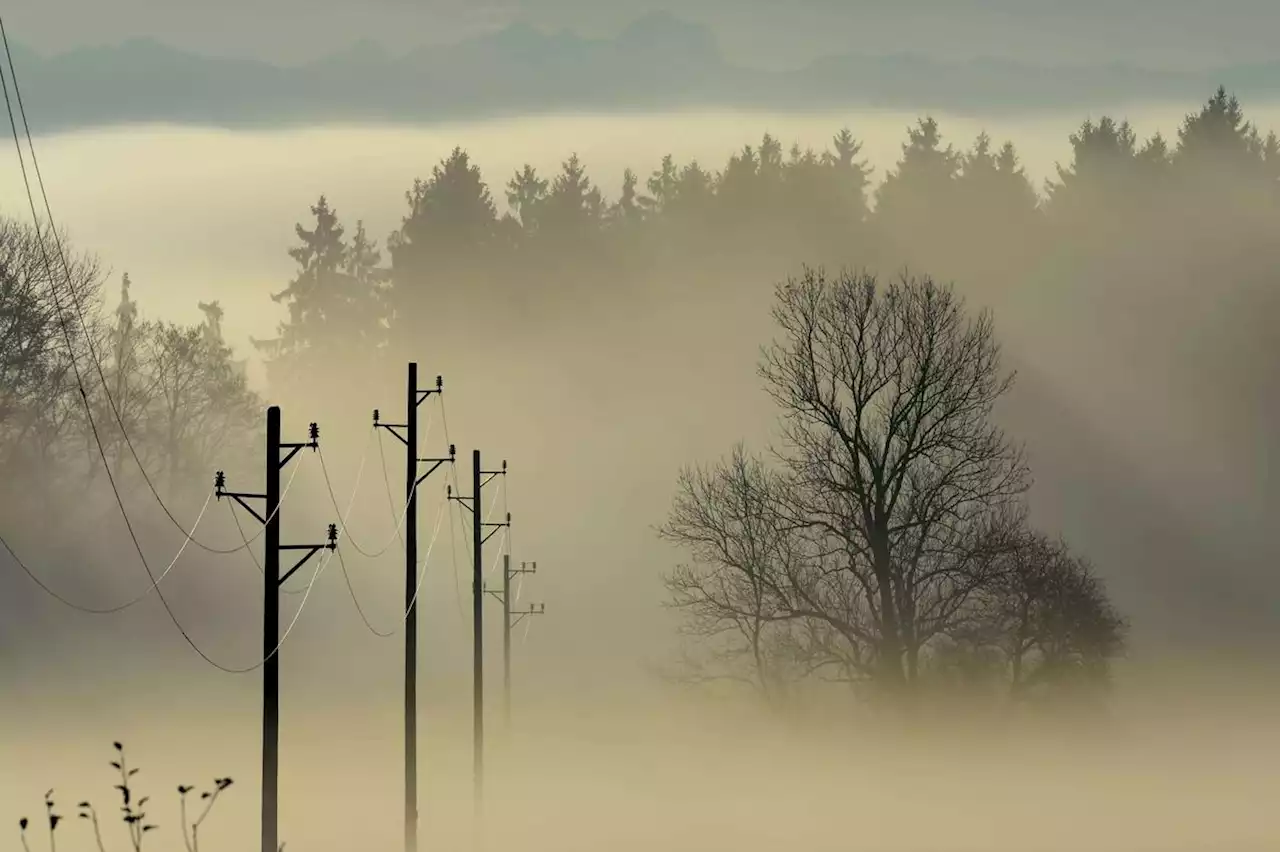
(658, 62)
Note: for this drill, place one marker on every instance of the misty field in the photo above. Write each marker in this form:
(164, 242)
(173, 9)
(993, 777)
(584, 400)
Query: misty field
(642, 354)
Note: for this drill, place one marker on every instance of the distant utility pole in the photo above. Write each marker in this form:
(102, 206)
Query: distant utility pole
(407, 434)
(272, 581)
(510, 618)
(479, 535)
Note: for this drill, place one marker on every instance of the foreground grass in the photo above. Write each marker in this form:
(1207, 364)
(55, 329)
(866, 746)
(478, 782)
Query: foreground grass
(132, 811)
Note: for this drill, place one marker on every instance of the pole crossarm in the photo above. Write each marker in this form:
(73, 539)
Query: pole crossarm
(421, 395)
(435, 464)
(534, 609)
(311, 550)
(220, 491)
(494, 527)
(399, 429)
(525, 568)
(493, 474)
(312, 444)
(392, 427)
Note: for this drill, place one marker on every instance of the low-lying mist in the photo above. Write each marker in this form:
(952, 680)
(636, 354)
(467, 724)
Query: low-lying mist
(1172, 772)
(1144, 361)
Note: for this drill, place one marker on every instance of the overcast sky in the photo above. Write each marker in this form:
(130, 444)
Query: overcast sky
(1173, 33)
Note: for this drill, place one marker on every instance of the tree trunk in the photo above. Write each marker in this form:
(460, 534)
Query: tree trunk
(889, 662)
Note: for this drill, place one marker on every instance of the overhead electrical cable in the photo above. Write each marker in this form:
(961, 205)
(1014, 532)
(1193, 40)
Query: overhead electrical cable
(97, 438)
(422, 573)
(75, 300)
(155, 583)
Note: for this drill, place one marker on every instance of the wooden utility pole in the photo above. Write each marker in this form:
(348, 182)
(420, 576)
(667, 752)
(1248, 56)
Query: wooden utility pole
(510, 618)
(481, 532)
(272, 581)
(409, 437)
(477, 634)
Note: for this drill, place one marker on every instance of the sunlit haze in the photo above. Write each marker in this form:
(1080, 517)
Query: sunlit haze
(711, 671)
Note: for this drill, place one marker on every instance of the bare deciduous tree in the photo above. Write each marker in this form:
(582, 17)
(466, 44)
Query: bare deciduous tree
(44, 314)
(1045, 619)
(887, 395)
(889, 523)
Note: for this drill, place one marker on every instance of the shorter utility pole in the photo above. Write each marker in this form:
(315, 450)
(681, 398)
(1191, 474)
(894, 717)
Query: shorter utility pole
(272, 581)
(510, 618)
(479, 479)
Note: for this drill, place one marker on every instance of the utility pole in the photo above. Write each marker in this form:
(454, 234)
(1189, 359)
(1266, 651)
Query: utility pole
(479, 535)
(272, 581)
(409, 437)
(510, 618)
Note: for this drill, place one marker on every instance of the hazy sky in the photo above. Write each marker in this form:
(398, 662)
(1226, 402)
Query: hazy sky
(1170, 33)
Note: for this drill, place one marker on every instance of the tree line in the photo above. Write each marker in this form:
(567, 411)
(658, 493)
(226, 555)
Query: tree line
(967, 213)
(886, 543)
(944, 582)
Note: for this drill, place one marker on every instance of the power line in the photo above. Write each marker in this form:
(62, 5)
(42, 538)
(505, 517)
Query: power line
(386, 478)
(231, 507)
(97, 438)
(453, 549)
(422, 574)
(320, 568)
(66, 268)
(114, 609)
(251, 539)
(342, 519)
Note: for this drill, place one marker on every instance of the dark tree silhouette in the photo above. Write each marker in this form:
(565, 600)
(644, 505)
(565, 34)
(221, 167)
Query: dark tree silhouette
(917, 197)
(526, 192)
(336, 303)
(894, 490)
(1042, 625)
(446, 243)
